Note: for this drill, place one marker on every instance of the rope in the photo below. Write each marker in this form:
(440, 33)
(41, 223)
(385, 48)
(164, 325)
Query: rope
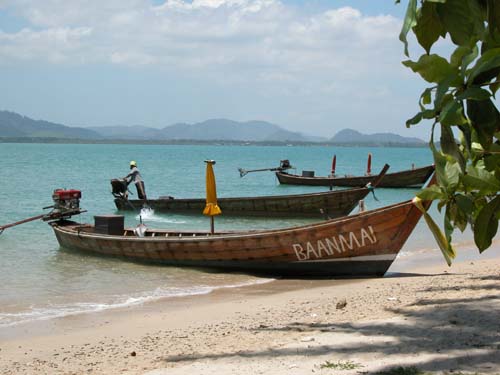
(372, 190)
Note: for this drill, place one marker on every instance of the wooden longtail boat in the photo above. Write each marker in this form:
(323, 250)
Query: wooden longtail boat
(364, 244)
(325, 204)
(410, 178)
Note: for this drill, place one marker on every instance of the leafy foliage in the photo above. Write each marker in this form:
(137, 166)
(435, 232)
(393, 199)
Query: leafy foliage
(340, 365)
(460, 101)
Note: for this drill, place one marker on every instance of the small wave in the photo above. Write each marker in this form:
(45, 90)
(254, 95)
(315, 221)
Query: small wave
(148, 214)
(61, 310)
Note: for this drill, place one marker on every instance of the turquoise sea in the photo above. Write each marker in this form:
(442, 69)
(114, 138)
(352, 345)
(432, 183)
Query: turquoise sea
(38, 280)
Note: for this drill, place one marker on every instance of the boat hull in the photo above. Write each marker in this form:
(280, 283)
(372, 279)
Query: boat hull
(404, 179)
(364, 244)
(325, 204)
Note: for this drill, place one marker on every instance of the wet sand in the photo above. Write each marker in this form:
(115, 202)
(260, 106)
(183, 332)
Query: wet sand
(422, 314)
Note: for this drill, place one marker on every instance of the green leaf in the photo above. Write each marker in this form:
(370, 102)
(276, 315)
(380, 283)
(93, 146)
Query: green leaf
(449, 146)
(450, 214)
(495, 85)
(462, 19)
(470, 57)
(429, 114)
(486, 68)
(428, 28)
(426, 96)
(458, 56)
(478, 147)
(452, 172)
(461, 220)
(414, 120)
(441, 91)
(474, 93)
(491, 40)
(464, 203)
(465, 138)
(452, 114)
(431, 193)
(493, 16)
(409, 22)
(485, 119)
(439, 162)
(479, 179)
(433, 68)
(443, 243)
(492, 162)
(486, 225)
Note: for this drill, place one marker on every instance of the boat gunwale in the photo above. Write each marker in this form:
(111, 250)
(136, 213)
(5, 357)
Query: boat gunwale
(73, 229)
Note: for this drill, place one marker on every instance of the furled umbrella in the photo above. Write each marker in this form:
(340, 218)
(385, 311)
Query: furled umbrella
(211, 208)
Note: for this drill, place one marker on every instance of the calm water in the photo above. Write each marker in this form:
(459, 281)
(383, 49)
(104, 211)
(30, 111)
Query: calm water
(38, 280)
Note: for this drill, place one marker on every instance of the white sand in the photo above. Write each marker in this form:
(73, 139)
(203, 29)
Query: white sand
(438, 319)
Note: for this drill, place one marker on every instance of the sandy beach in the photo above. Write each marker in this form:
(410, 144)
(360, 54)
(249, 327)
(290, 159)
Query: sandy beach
(430, 316)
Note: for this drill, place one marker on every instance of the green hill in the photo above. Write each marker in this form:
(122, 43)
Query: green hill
(15, 125)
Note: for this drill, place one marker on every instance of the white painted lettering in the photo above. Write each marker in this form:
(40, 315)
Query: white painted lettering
(365, 235)
(332, 244)
(299, 251)
(373, 233)
(322, 247)
(311, 250)
(344, 243)
(327, 246)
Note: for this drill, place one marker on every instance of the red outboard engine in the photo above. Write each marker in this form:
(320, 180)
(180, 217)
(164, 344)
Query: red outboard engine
(66, 204)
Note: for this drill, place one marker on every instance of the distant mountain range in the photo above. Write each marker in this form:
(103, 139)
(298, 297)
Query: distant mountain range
(216, 129)
(349, 136)
(15, 126)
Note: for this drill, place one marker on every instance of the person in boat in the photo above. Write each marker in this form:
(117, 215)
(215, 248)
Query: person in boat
(135, 177)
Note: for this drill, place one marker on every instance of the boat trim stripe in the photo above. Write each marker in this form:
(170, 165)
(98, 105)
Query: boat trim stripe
(353, 259)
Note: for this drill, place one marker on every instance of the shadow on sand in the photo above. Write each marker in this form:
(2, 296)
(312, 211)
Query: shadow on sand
(467, 331)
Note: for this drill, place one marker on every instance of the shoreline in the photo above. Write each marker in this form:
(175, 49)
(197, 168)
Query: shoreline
(286, 326)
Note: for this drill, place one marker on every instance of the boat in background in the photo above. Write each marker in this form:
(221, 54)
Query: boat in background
(412, 178)
(329, 204)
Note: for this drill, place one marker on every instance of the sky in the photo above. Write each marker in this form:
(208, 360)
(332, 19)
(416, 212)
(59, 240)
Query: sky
(314, 67)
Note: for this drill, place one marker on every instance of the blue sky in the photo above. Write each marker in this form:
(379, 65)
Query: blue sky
(310, 66)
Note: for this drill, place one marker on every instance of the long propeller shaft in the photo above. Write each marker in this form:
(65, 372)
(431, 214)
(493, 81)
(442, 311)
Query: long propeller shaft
(3, 227)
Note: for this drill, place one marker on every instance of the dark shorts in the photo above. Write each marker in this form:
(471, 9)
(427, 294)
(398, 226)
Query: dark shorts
(141, 189)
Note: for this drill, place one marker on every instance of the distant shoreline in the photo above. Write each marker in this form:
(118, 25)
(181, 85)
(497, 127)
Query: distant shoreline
(50, 140)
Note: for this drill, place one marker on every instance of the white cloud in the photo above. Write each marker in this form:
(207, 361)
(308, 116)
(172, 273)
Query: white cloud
(266, 35)
(314, 62)
(56, 45)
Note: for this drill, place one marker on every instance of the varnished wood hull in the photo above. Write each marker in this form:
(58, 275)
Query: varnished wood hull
(364, 244)
(331, 204)
(410, 178)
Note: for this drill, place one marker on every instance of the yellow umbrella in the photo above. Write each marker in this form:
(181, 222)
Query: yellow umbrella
(211, 208)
